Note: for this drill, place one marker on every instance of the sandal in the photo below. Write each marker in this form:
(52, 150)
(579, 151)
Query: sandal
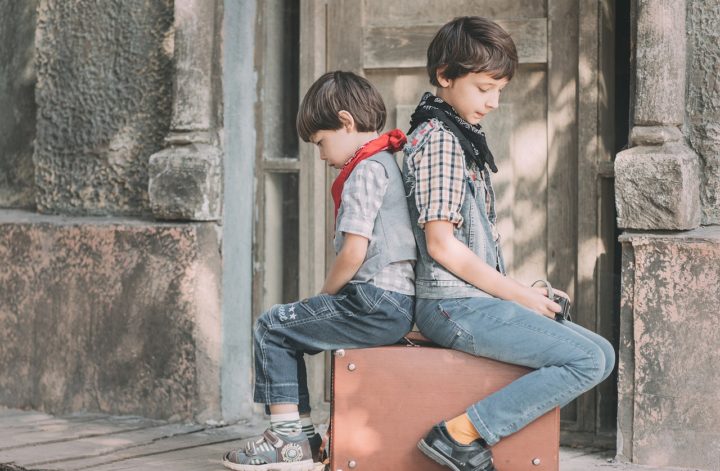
(272, 452)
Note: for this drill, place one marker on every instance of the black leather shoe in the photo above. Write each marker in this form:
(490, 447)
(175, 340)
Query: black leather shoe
(440, 447)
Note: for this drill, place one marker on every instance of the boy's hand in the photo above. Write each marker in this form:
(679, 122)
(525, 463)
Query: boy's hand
(347, 263)
(536, 299)
(555, 290)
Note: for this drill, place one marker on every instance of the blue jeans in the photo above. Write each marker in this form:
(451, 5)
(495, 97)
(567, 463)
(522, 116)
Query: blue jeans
(568, 359)
(360, 315)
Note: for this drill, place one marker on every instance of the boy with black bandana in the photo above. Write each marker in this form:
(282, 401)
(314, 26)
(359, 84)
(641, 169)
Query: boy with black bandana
(464, 299)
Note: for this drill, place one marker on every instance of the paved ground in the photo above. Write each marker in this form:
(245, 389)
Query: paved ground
(36, 441)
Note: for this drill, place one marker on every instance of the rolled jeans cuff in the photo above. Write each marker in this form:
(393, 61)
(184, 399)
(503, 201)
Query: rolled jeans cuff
(489, 437)
(285, 393)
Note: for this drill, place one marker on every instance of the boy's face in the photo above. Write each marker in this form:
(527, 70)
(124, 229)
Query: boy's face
(473, 95)
(336, 146)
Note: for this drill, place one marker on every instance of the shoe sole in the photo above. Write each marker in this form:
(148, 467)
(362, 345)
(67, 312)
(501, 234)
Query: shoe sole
(435, 456)
(305, 465)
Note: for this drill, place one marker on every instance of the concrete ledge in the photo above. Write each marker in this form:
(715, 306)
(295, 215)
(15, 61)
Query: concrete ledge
(111, 315)
(669, 390)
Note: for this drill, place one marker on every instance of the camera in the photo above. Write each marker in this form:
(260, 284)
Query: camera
(564, 303)
(564, 314)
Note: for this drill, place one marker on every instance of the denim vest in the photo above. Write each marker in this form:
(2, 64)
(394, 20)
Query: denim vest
(392, 238)
(432, 280)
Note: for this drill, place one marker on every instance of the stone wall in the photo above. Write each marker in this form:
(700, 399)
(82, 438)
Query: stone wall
(668, 385)
(105, 94)
(17, 102)
(668, 388)
(702, 125)
(117, 316)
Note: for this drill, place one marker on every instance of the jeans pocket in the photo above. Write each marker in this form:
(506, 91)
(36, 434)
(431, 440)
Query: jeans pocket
(315, 305)
(439, 327)
(369, 295)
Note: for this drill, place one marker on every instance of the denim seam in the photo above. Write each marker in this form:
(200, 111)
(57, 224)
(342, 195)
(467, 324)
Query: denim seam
(541, 409)
(372, 306)
(264, 363)
(458, 326)
(363, 296)
(476, 420)
(325, 316)
(547, 403)
(455, 326)
(397, 305)
(545, 332)
(280, 384)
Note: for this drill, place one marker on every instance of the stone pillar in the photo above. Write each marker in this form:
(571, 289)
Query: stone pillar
(668, 386)
(185, 178)
(667, 391)
(657, 180)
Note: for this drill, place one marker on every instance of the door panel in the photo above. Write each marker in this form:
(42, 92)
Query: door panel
(533, 134)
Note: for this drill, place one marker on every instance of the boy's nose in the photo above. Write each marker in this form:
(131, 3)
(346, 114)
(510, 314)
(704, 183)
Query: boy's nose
(493, 101)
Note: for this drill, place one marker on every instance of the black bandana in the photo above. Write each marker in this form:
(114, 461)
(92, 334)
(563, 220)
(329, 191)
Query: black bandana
(472, 138)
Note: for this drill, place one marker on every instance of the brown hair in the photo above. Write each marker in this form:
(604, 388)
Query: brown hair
(337, 91)
(471, 44)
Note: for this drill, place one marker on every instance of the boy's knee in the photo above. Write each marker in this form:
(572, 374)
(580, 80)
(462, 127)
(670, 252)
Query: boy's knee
(590, 366)
(609, 354)
(263, 323)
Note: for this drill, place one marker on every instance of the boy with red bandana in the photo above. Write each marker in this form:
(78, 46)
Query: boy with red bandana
(367, 298)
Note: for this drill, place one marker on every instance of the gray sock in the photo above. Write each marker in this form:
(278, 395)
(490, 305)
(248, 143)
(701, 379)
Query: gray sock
(286, 424)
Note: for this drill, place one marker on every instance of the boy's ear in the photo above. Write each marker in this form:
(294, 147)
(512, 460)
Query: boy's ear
(348, 122)
(440, 76)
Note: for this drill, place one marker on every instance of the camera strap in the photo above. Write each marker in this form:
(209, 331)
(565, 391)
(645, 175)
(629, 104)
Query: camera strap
(547, 285)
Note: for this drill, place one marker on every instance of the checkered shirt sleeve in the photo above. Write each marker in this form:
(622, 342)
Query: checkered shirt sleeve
(362, 197)
(439, 168)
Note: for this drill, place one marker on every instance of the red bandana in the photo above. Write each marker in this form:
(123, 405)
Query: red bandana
(391, 141)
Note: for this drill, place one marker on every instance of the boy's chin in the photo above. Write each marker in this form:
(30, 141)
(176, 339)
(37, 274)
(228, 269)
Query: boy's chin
(475, 119)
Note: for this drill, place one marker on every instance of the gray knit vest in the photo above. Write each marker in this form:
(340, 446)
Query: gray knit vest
(392, 237)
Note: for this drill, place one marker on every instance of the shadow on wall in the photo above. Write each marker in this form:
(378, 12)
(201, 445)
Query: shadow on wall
(17, 102)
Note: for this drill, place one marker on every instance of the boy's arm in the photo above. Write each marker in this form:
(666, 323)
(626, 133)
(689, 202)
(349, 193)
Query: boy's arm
(455, 256)
(347, 263)
(362, 197)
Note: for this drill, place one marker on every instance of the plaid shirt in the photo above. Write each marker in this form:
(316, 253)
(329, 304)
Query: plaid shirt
(362, 197)
(439, 170)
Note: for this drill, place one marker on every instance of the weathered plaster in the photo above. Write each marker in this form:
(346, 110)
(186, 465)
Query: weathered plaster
(17, 102)
(626, 357)
(673, 391)
(703, 99)
(117, 316)
(104, 97)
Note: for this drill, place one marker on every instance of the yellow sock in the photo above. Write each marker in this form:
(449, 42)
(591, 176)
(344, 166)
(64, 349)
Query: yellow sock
(462, 430)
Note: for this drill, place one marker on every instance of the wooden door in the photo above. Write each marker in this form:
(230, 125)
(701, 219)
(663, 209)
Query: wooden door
(547, 137)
